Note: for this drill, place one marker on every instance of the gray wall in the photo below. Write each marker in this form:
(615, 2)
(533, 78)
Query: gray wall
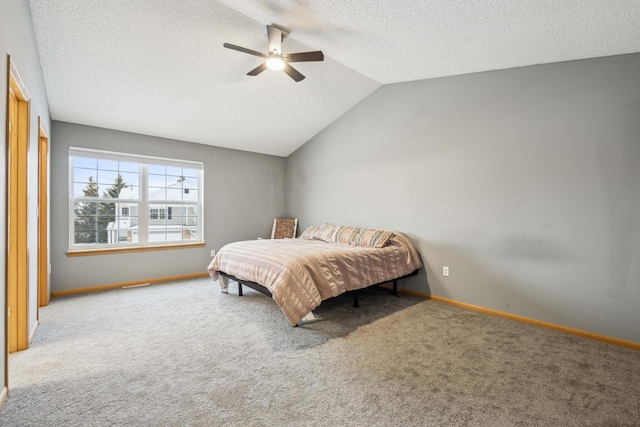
(17, 39)
(243, 192)
(525, 182)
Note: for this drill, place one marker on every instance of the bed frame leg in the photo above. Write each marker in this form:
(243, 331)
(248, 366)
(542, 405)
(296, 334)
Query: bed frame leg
(395, 287)
(355, 299)
(239, 289)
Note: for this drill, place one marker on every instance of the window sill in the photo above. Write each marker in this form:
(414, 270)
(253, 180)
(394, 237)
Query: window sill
(106, 251)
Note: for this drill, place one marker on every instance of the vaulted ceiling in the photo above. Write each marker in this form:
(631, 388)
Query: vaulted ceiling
(158, 67)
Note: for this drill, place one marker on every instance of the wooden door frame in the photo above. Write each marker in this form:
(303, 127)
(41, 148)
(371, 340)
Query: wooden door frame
(17, 291)
(43, 217)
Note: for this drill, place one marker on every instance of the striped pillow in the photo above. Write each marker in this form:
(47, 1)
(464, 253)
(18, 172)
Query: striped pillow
(371, 238)
(310, 232)
(325, 232)
(344, 234)
(365, 237)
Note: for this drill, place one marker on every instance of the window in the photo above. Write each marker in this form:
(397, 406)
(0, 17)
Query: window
(119, 200)
(157, 213)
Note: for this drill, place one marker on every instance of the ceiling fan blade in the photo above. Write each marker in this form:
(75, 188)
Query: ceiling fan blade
(260, 68)
(275, 39)
(293, 73)
(304, 56)
(244, 49)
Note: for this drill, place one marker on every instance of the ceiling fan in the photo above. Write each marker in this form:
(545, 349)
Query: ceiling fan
(275, 59)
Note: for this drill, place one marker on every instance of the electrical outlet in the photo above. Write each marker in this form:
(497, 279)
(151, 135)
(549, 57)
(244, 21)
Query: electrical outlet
(445, 271)
(213, 253)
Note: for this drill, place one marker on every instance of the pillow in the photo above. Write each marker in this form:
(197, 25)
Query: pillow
(310, 232)
(325, 232)
(365, 237)
(371, 238)
(348, 235)
(343, 234)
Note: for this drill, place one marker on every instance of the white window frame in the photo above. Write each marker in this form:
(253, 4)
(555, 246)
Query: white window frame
(142, 203)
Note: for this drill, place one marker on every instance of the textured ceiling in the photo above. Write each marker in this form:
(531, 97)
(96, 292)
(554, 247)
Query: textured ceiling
(157, 67)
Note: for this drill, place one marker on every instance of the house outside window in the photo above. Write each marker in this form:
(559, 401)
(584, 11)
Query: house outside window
(119, 200)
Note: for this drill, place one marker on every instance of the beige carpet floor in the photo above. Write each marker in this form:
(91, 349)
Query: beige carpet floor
(183, 354)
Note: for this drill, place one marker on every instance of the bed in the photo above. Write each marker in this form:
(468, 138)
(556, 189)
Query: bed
(323, 263)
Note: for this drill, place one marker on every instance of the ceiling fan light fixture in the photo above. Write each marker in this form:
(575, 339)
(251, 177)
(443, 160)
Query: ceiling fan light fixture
(275, 63)
(275, 60)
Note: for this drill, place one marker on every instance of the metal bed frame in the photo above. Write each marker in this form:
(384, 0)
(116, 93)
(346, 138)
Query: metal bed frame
(258, 287)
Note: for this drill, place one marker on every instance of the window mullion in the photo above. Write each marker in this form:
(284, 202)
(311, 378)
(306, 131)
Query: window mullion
(72, 205)
(143, 211)
(200, 206)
